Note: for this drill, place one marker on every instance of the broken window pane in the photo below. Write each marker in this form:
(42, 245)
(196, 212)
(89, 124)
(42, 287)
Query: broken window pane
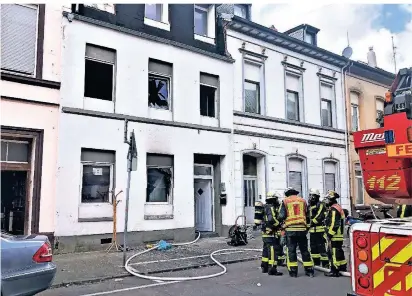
(96, 183)
(153, 12)
(98, 80)
(159, 91)
(159, 183)
(207, 100)
(252, 97)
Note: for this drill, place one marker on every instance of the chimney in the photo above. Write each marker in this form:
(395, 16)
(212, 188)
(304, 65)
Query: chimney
(372, 58)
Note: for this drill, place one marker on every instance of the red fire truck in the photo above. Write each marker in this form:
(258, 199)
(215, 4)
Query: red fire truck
(381, 251)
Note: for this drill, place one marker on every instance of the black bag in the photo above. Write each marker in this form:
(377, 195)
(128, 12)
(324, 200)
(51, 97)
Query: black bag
(238, 236)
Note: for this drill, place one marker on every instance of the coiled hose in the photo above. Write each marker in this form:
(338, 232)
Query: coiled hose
(134, 272)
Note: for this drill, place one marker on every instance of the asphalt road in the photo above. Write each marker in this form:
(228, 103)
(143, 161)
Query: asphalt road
(241, 279)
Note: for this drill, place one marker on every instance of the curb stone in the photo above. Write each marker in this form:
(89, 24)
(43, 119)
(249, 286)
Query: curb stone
(126, 274)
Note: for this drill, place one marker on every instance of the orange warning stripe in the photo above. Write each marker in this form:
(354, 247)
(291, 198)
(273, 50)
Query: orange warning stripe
(395, 276)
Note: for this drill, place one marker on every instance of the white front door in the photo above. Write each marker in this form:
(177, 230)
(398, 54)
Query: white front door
(203, 205)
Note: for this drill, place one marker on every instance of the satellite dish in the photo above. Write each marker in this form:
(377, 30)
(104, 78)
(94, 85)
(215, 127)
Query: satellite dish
(347, 52)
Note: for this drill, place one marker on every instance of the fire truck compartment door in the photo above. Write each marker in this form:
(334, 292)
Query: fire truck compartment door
(395, 245)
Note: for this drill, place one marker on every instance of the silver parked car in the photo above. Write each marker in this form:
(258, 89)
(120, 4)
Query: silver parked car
(26, 264)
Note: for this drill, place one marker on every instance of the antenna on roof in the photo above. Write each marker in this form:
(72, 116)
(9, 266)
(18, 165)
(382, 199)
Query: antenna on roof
(347, 52)
(394, 53)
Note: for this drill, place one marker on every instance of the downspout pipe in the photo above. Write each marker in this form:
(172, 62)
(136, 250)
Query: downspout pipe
(344, 70)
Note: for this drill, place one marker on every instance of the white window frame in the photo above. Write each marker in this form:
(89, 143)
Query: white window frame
(353, 107)
(7, 152)
(169, 88)
(33, 6)
(357, 178)
(304, 173)
(164, 23)
(298, 105)
(241, 7)
(210, 24)
(261, 84)
(170, 197)
(336, 164)
(96, 164)
(215, 101)
(331, 100)
(300, 92)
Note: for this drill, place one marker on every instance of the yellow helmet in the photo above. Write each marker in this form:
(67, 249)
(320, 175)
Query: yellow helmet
(332, 195)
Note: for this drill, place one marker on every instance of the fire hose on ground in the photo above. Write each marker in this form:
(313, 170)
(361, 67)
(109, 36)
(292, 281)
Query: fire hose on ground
(164, 245)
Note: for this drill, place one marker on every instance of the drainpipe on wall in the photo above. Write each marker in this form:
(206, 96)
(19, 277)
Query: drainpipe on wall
(347, 144)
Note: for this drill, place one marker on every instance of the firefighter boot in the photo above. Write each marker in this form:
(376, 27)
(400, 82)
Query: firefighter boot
(274, 271)
(310, 272)
(293, 272)
(265, 267)
(332, 273)
(281, 262)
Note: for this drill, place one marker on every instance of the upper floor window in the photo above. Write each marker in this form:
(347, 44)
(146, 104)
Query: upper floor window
(379, 110)
(160, 84)
(327, 93)
(18, 38)
(354, 100)
(252, 93)
(309, 38)
(204, 22)
(240, 10)
(157, 15)
(209, 86)
(153, 12)
(293, 96)
(99, 76)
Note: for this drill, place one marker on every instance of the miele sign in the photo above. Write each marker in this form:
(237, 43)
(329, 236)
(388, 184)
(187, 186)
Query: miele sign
(373, 137)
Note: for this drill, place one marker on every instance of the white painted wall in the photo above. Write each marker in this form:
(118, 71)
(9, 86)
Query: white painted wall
(276, 150)
(131, 99)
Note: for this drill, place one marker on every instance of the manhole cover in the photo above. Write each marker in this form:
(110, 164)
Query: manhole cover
(200, 191)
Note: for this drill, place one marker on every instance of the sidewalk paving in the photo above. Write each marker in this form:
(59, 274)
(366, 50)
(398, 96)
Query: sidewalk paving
(82, 268)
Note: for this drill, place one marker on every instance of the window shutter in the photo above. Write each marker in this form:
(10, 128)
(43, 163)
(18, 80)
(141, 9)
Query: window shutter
(354, 98)
(379, 105)
(160, 67)
(326, 91)
(295, 181)
(293, 83)
(208, 79)
(102, 54)
(18, 38)
(252, 72)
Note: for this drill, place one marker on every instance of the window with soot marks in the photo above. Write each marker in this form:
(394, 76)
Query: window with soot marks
(160, 81)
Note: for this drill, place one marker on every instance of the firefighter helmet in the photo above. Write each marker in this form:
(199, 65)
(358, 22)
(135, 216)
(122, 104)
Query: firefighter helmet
(332, 195)
(272, 195)
(313, 191)
(291, 191)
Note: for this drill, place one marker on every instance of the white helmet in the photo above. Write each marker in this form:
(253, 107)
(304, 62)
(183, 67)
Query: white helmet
(314, 191)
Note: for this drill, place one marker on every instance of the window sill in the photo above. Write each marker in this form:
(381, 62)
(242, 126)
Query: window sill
(156, 24)
(205, 39)
(158, 217)
(98, 105)
(100, 219)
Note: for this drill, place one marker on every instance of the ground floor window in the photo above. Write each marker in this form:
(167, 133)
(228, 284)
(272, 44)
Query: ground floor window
(159, 178)
(296, 174)
(97, 175)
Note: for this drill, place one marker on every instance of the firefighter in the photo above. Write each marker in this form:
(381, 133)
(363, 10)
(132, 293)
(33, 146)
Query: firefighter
(404, 211)
(270, 226)
(279, 236)
(293, 212)
(334, 229)
(259, 213)
(317, 213)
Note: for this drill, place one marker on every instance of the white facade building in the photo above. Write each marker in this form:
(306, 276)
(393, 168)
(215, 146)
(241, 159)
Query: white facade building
(289, 116)
(179, 104)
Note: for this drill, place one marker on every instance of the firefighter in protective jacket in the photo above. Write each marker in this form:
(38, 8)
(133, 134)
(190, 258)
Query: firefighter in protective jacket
(293, 212)
(404, 211)
(317, 213)
(270, 226)
(334, 230)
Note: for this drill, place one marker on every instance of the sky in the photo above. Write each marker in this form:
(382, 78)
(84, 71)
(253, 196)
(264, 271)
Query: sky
(367, 25)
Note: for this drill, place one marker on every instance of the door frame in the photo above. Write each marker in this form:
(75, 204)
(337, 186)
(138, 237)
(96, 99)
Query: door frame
(33, 168)
(212, 191)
